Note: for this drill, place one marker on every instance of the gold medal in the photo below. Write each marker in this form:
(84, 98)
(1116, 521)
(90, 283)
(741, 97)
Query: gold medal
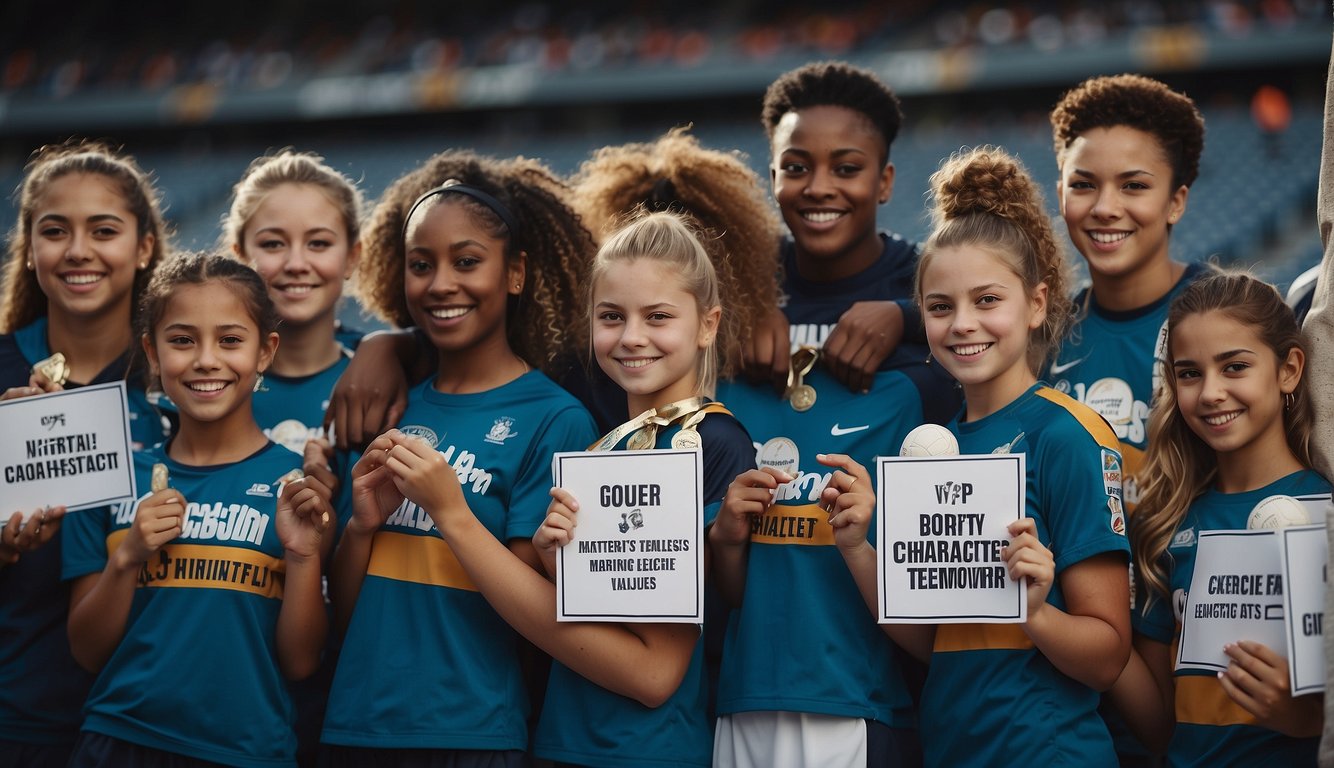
(160, 478)
(686, 439)
(53, 369)
(644, 439)
(802, 398)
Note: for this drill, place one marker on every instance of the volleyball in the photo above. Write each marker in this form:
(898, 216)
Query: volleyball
(1277, 511)
(930, 440)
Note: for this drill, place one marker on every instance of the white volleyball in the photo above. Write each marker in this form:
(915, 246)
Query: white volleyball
(1277, 511)
(930, 440)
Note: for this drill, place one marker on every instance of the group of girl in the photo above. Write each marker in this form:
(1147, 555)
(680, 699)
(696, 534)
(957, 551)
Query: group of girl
(409, 581)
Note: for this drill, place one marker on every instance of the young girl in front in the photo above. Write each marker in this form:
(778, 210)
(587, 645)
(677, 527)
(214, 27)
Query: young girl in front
(88, 235)
(484, 256)
(619, 694)
(1231, 428)
(193, 602)
(992, 287)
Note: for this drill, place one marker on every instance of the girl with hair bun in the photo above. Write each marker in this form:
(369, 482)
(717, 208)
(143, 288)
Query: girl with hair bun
(992, 287)
(1231, 428)
(484, 256)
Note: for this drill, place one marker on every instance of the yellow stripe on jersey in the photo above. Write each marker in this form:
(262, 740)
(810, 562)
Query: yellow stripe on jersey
(804, 524)
(979, 637)
(1201, 700)
(208, 566)
(419, 559)
(1089, 418)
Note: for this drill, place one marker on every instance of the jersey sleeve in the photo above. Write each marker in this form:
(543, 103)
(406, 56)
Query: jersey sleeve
(83, 542)
(1080, 486)
(728, 451)
(569, 429)
(1157, 621)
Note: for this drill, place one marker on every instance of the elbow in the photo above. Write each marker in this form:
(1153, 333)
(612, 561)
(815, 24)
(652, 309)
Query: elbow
(298, 669)
(653, 690)
(90, 659)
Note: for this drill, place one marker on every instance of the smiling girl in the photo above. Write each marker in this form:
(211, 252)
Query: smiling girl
(483, 255)
(88, 235)
(193, 603)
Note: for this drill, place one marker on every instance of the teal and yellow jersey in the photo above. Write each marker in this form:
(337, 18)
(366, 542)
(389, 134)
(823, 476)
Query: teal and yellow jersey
(832, 658)
(290, 409)
(1212, 729)
(991, 698)
(196, 672)
(426, 662)
(583, 724)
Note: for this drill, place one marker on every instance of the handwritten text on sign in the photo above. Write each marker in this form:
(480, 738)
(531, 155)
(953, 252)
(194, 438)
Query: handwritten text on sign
(637, 554)
(942, 523)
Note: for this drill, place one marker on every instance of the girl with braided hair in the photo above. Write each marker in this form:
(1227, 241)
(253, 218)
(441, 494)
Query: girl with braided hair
(992, 287)
(483, 256)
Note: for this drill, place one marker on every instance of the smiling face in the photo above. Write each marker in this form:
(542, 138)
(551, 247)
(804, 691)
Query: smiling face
(648, 332)
(829, 176)
(297, 240)
(457, 280)
(86, 248)
(1118, 200)
(208, 351)
(1230, 386)
(978, 318)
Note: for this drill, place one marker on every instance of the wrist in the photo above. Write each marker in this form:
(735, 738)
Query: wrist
(359, 530)
(722, 535)
(122, 561)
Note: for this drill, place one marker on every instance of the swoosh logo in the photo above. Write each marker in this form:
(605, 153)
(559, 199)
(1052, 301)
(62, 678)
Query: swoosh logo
(836, 430)
(1059, 368)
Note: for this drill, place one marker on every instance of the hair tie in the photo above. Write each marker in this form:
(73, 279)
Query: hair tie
(454, 186)
(662, 195)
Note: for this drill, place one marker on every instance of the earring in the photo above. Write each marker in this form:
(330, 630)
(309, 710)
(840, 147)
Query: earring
(28, 264)
(259, 382)
(928, 358)
(1289, 400)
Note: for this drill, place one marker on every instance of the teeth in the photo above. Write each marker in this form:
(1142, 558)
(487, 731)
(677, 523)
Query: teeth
(207, 386)
(969, 349)
(820, 217)
(1108, 237)
(638, 362)
(449, 314)
(297, 289)
(1221, 419)
(81, 279)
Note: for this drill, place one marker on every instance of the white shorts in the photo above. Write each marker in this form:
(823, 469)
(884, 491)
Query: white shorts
(789, 740)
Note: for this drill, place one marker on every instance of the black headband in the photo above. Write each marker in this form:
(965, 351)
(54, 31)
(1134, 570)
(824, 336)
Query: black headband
(453, 186)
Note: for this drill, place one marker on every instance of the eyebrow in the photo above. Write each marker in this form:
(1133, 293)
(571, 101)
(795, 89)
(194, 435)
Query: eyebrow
(1121, 175)
(92, 219)
(1218, 358)
(282, 231)
(223, 327)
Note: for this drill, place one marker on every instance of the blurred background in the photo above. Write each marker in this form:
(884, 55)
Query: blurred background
(377, 86)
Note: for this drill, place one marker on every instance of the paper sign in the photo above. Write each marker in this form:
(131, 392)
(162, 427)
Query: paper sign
(1236, 594)
(637, 554)
(942, 523)
(1305, 573)
(70, 447)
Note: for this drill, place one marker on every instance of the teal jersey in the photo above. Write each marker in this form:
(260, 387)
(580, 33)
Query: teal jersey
(426, 662)
(1112, 362)
(991, 697)
(585, 724)
(1212, 729)
(196, 672)
(290, 409)
(802, 639)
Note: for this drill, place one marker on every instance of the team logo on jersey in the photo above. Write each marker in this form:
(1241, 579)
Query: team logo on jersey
(500, 431)
(421, 433)
(1111, 473)
(1114, 400)
(1179, 604)
(1118, 516)
(260, 489)
(1184, 538)
(1009, 447)
(290, 434)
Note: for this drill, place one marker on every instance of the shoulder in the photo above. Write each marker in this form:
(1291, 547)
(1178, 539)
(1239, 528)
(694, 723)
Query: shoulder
(1064, 418)
(14, 366)
(723, 429)
(897, 247)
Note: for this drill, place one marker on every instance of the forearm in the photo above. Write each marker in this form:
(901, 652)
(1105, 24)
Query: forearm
(916, 639)
(1085, 648)
(99, 614)
(303, 623)
(1148, 709)
(347, 574)
(728, 567)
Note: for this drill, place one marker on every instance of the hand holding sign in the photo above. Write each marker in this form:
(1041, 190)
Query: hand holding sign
(1025, 556)
(557, 529)
(18, 537)
(1257, 679)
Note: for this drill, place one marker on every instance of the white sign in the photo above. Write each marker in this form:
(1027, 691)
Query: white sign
(942, 523)
(1305, 569)
(637, 553)
(1236, 593)
(70, 447)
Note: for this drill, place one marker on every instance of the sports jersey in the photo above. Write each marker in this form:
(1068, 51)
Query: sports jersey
(1111, 362)
(42, 688)
(426, 662)
(196, 672)
(991, 697)
(832, 658)
(585, 724)
(290, 409)
(1211, 728)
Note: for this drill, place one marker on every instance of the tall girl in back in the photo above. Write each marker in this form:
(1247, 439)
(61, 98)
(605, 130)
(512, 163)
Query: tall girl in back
(992, 287)
(193, 602)
(484, 256)
(88, 235)
(1231, 428)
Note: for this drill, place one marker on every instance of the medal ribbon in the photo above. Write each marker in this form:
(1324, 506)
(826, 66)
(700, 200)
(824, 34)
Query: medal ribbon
(803, 362)
(652, 418)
